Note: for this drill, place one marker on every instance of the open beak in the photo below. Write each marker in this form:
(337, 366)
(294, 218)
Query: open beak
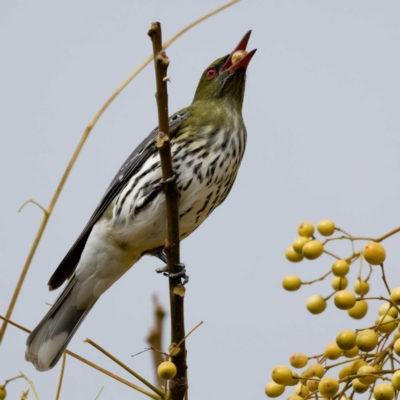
(242, 62)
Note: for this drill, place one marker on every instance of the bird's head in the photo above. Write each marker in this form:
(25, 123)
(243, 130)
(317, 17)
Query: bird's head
(225, 78)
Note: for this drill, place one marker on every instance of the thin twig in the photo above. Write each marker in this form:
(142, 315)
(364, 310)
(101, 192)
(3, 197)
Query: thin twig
(64, 358)
(384, 279)
(125, 367)
(318, 279)
(15, 324)
(35, 393)
(116, 377)
(75, 156)
(190, 332)
(331, 254)
(387, 235)
(35, 203)
(98, 394)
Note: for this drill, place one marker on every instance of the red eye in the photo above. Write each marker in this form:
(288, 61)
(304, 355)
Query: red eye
(211, 73)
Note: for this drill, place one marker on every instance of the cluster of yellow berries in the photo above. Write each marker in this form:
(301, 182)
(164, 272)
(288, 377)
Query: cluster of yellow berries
(365, 354)
(368, 356)
(306, 246)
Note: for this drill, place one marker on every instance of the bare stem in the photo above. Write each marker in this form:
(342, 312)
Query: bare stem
(35, 393)
(384, 279)
(331, 254)
(318, 279)
(116, 377)
(126, 368)
(394, 231)
(64, 359)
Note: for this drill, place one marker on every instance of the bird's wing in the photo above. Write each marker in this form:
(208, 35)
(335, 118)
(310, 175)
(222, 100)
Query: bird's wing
(129, 168)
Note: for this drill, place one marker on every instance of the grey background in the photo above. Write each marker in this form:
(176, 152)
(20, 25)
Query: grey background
(322, 113)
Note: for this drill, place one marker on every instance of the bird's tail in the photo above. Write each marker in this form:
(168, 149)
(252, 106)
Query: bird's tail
(47, 342)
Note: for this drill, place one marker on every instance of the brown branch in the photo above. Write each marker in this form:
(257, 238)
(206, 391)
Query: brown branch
(178, 385)
(155, 338)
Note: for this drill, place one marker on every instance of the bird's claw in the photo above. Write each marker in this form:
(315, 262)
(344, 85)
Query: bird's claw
(180, 274)
(168, 181)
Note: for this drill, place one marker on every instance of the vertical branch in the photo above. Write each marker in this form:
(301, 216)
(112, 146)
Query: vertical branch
(155, 338)
(178, 385)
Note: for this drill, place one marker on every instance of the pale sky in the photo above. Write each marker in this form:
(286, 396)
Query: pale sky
(322, 114)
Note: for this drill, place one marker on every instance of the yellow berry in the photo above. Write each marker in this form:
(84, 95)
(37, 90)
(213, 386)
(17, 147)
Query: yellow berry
(383, 310)
(340, 268)
(378, 367)
(166, 370)
(359, 387)
(298, 360)
(312, 249)
(345, 371)
(301, 390)
(304, 376)
(361, 287)
(346, 339)
(359, 310)
(294, 381)
(291, 283)
(238, 55)
(295, 397)
(396, 380)
(305, 229)
(344, 300)
(396, 347)
(313, 383)
(292, 255)
(356, 365)
(326, 227)
(316, 369)
(332, 351)
(384, 391)
(3, 392)
(386, 324)
(316, 304)
(273, 389)
(328, 387)
(281, 375)
(365, 378)
(352, 352)
(395, 296)
(339, 282)
(374, 253)
(299, 243)
(367, 340)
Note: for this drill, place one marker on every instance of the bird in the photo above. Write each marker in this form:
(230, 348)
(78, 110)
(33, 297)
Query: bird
(208, 141)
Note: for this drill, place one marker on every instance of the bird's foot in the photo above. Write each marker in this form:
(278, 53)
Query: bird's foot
(180, 274)
(168, 181)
